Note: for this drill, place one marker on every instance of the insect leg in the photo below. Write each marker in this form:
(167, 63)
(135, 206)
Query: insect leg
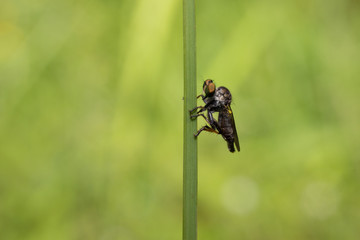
(205, 128)
(214, 124)
(195, 108)
(202, 115)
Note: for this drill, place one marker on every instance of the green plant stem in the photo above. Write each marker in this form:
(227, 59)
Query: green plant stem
(190, 126)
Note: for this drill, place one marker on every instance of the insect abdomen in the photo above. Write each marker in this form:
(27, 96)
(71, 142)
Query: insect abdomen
(225, 123)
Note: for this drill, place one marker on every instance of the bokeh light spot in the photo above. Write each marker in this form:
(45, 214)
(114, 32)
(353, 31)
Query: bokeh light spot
(240, 195)
(320, 200)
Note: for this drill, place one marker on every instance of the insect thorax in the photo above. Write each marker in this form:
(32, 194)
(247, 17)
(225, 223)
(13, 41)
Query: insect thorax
(223, 96)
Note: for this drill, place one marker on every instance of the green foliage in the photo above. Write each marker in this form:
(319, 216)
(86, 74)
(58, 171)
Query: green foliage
(91, 119)
(190, 170)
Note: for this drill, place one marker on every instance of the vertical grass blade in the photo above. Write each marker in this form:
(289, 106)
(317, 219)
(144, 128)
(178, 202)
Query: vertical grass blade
(190, 143)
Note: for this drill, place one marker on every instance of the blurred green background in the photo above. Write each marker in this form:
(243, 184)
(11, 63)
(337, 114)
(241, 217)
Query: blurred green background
(91, 119)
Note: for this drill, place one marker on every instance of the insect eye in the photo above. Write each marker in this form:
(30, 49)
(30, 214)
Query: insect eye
(209, 87)
(207, 82)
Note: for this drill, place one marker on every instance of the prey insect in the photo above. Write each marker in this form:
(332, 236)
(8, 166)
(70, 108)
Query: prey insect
(217, 100)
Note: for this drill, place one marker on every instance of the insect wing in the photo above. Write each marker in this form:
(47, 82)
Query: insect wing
(236, 139)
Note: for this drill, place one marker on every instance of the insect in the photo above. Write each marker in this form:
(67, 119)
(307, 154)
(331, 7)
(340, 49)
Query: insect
(218, 100)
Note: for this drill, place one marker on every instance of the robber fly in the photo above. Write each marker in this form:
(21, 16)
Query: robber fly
(218, 100)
